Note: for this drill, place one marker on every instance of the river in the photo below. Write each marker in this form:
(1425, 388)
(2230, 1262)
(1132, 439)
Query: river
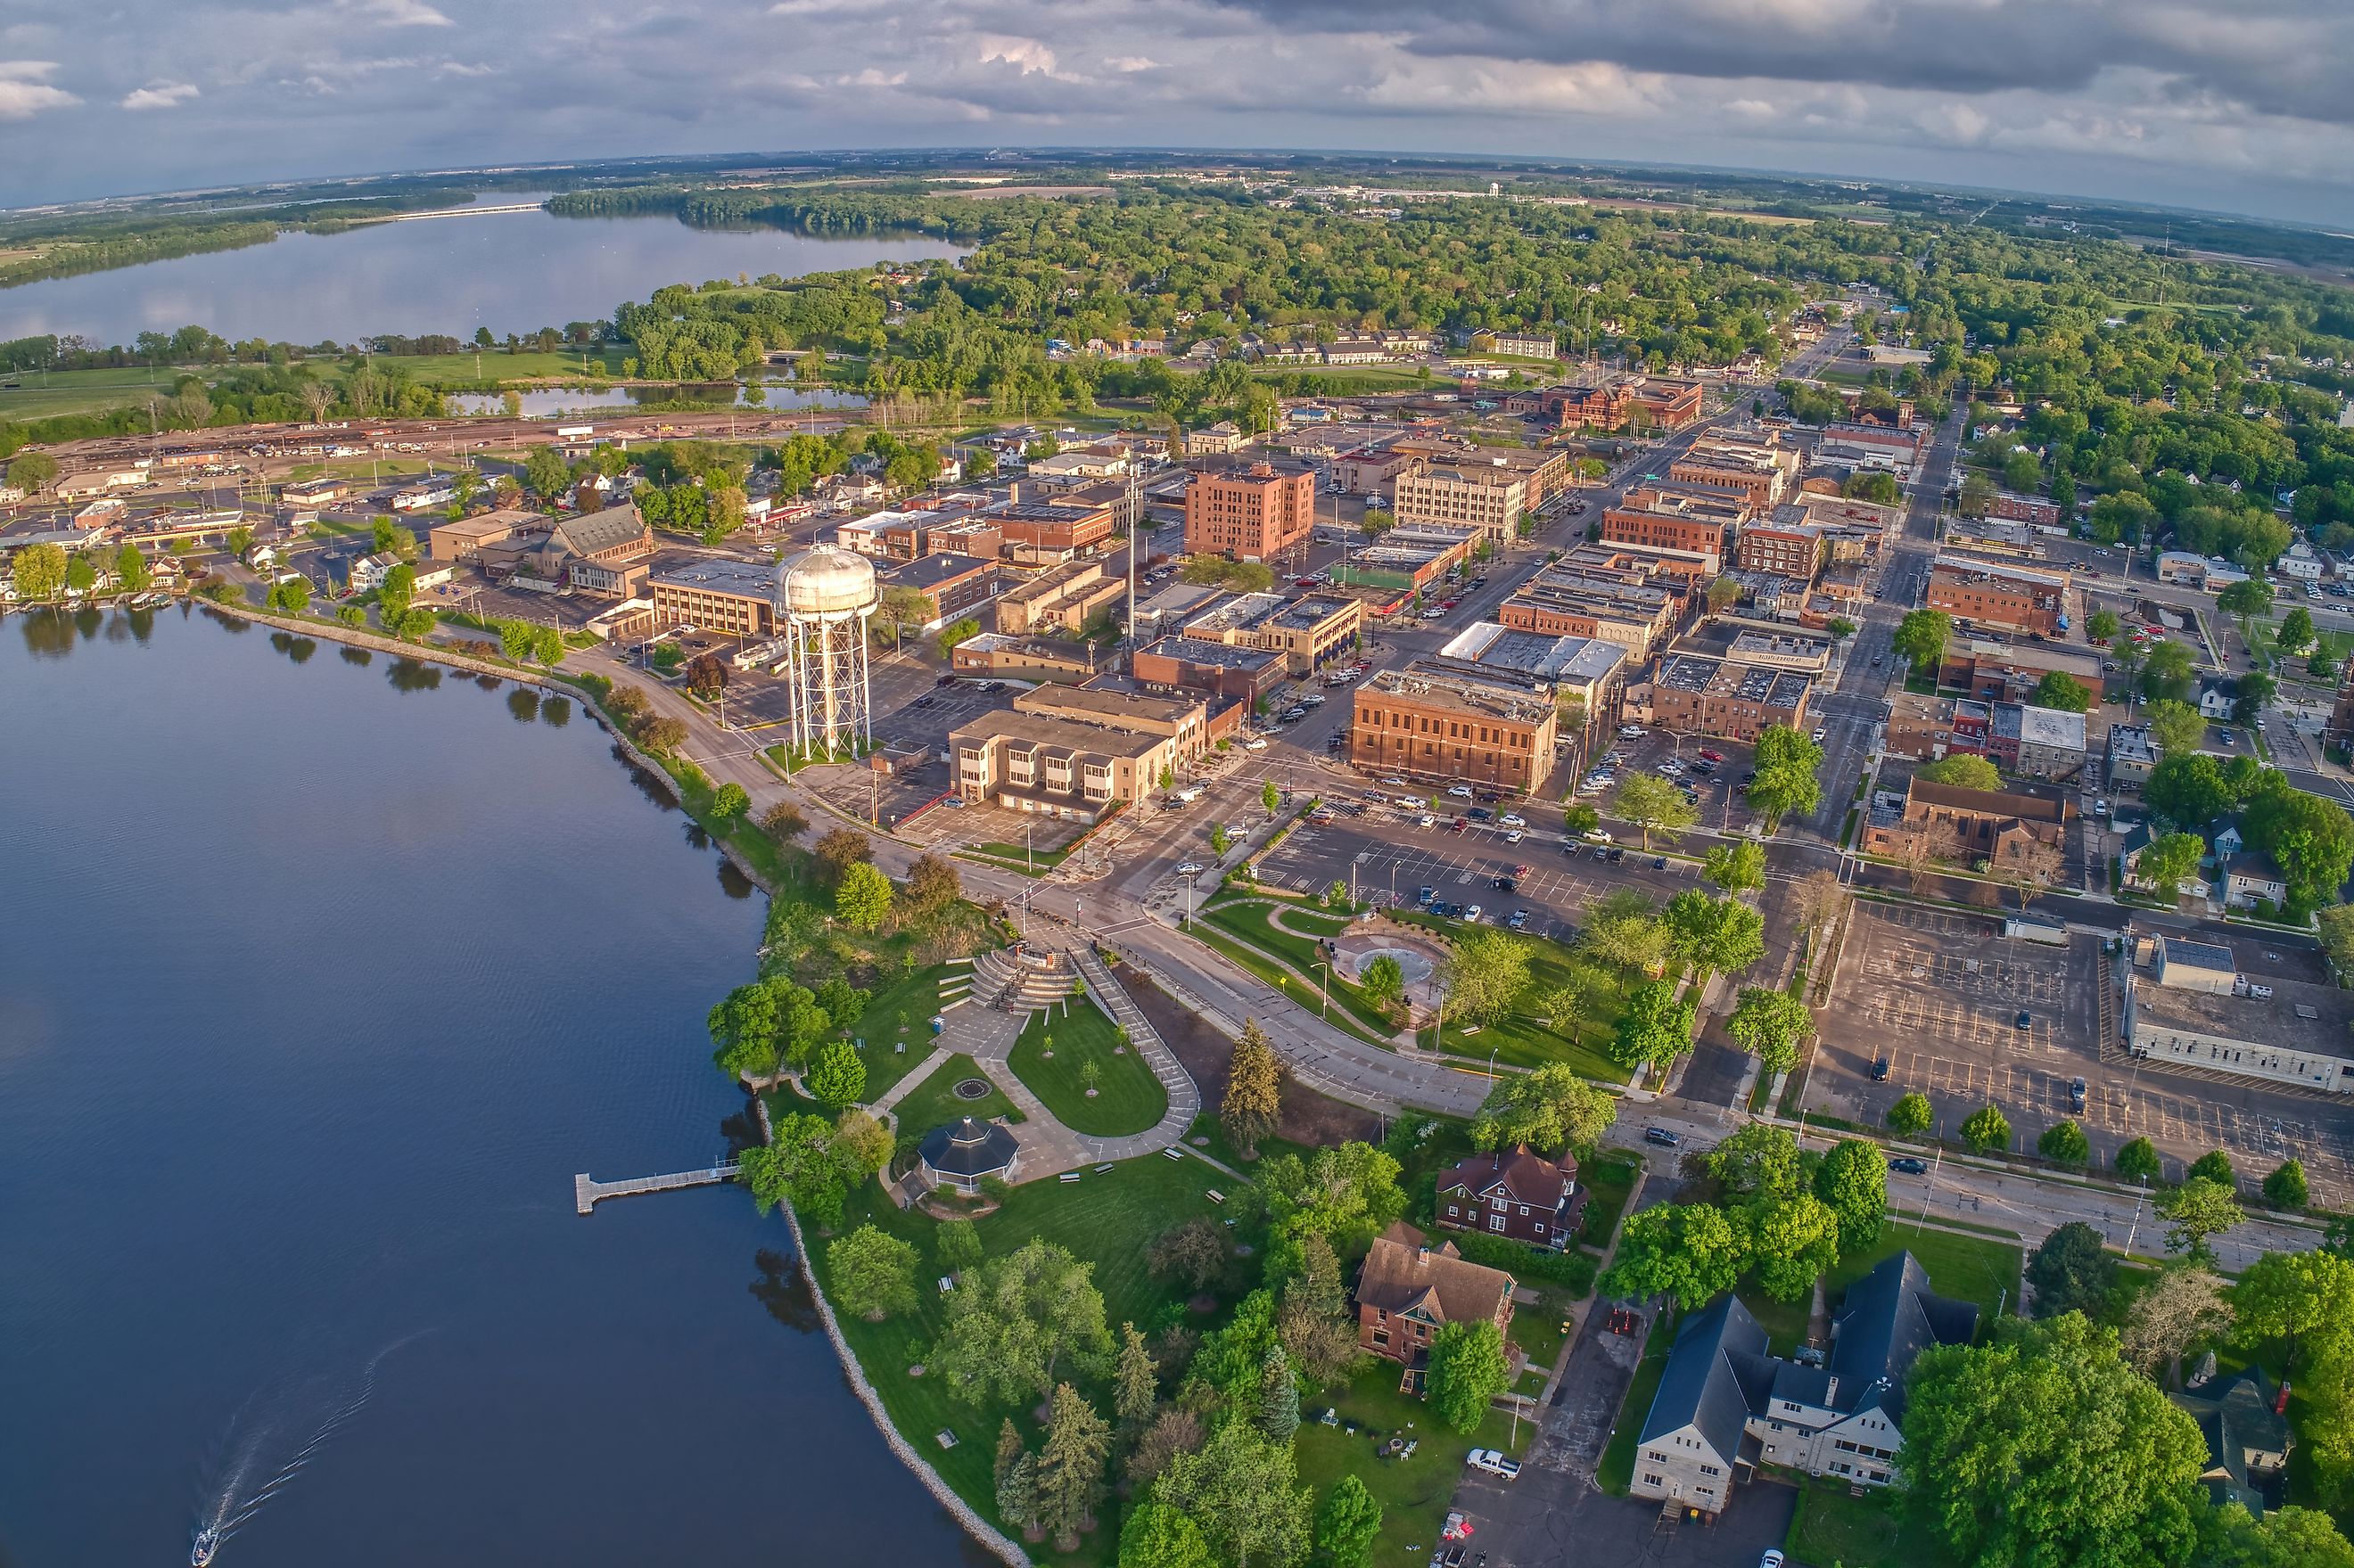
(321, 974)
(509, 271)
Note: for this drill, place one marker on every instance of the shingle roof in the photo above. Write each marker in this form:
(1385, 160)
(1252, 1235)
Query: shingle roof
(2235, 1417)
(597, 531)
(1890, 1317)
(1526, 1176)
(1404, 1273)
(1717, 1372)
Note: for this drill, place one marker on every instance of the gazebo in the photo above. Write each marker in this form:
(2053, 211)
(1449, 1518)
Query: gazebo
(965, 1153)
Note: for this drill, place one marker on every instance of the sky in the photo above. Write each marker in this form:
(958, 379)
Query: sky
(2230, 105)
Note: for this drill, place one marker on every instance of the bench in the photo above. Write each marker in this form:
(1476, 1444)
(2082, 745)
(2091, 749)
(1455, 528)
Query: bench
(1216, 1196)
(1102, 1170)
(1068, 1176)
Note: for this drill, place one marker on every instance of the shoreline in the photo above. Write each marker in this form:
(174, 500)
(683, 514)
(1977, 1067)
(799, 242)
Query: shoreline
(981, 1531)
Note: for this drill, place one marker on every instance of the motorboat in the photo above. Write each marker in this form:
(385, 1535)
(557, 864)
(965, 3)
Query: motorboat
(208, 1542)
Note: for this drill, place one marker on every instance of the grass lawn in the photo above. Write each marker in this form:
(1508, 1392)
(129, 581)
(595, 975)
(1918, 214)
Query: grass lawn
(1785, 1322)
(1108, 1220)
(1127, 1098)
(1258, 962)
(933, 1103)
(1414, 1493)
(900, 1015)
(1615, 1471)
(1520, 1040)
(1248, 922)
(1982, 1269)
(1609, 1179)
(1831, 1527)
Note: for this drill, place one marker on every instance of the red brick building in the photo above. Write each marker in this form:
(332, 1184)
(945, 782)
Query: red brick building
(1516, 1193)
(2009, 599)
(1794, 551)
(1250, 514)
(1663, 530)
(1408, 1290)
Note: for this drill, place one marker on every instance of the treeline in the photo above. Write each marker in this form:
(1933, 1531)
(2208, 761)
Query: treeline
(73, 244)
(67, 258)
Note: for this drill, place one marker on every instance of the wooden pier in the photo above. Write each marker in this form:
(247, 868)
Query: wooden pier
(585, 1191)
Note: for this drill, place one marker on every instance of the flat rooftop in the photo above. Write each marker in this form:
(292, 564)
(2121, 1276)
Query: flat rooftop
(932, 571)
(1055, 734)
(1566, 660)
(1702, 675)
(745, 579)
(1212, 655)
(1106, 706)
(2298, 1016)
(1444, 682)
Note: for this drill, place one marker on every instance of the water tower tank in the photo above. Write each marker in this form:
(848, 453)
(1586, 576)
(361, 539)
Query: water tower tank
(825, 581)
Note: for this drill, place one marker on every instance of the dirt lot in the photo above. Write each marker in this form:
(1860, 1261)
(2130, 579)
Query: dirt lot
(1307, 1116)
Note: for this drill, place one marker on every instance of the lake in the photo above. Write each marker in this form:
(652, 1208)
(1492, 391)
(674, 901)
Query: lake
(321, 974)
(514, 272)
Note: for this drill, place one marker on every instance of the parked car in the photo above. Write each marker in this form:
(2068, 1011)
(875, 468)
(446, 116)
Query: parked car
(1664, 1138)
(1256, 743)
(1880, 1069)
(1478, 813)
(2076, 1096)
(1617, 853)
(1512, 820)
(1659, 862)
(1459, 791)
(1472, 914)
(1425, 821)
(2025, 1020)
(1711, 755)
(1520, 920)
(1504, 885)
(1906, 1165)
(1820, 732)
(1493, 1462)
(1191, 868)
(1425, 893)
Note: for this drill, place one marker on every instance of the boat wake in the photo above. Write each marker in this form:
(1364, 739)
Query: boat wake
(258, 1421)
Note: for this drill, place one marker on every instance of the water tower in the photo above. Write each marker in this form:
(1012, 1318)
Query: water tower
(825, 597)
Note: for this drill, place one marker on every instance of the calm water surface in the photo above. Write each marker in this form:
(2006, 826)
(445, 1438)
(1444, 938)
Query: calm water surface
(513, 271)
(321, 974)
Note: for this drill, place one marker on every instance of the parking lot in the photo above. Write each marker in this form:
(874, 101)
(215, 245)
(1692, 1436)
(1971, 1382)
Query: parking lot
(1938, 996)
(1722, 803)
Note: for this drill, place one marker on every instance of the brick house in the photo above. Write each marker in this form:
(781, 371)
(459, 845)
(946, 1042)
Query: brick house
(1408, 1290)
(1515, 1193)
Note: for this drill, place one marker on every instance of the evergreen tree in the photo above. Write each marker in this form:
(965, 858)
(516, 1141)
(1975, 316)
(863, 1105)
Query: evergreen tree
(1347, 1525)
(1017, 1482)
(1070, 1468)
(1134, 1385)
(1254, 1102)
(1278, 1401)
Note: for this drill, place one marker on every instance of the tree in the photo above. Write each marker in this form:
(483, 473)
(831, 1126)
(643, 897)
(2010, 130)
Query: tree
(1770, 1025)
(1653, 805)
(2182, 1305)
(1840, 627)
(2170, 860)
(545, 474)
(1921, 638)
(2071, 1272)
(39, 571)
(2195, 1211)
(744, 1030)
(1853, 1181)
(862, 897)
(799, 1164)
(2102, 626)
(1315, 1326)
(861, 1144)
(1193, 1251)
(2288, 1536)
(933, 887)
(1623, 930)
(1220, 840)
(1135, 1383)
(1550, 1109)
(2043, 1447)
(2166, 670)
(2303, 1299)
(2063, 692)
(32, 473)
(730, 802)
(1278, 1408)
(1071, 1468)
(1159, 1536)
(1346, 1194)
(837, 1074)
(2064, 1143)
(2138, 1161)
(1655, 1029)
(958, 1245)
(1722, 594)
(1467, 1370)
(1485, 974)
(2245, 600)
(2256, 691)
(2175, 725)
(838, 851)
(1253, 1104)
(1987, 1130)
(874, 1274)
(1383, 980)
(1690, 1251)
(1756, 1160)
(1792, 1242)
(2311, 839)
(1245, 1494)
(1911, 1115)
(1269, 797)
(1017, 1482)
(1017, 1321)
(292, 597)
(2296, 634)
(1712, 934)
(1786, 760)
(2214, 1166)
(1962, 770)
(131, 570)
(1347, 1525)
(1580, 820)
(2285, 1187)
(1738, 867)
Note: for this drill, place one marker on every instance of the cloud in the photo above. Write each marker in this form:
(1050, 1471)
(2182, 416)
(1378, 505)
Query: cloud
(401, 13)
(160, 95)
(25, 89)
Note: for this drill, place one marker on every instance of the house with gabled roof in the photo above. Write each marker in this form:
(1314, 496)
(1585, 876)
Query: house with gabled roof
(1408, 1290)
(2242, 1418)
(1513, 1193)
(1726, 1405)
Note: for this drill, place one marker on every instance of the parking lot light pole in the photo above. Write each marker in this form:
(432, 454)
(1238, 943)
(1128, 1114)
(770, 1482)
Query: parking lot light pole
(1324, 1009)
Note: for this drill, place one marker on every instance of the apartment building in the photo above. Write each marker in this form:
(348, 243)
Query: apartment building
(2032, 510)
(1062, 599)
(1783, 549)
(733, 598)
(1308, 631)
(1692, 694)
(1454, 724)
(2007, 598)
(1523, 345)
(2132, 756)
(2037, 743)
(1487, 499)
(1251, 514)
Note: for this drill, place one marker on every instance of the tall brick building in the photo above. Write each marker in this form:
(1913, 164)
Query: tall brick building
(1251, 514)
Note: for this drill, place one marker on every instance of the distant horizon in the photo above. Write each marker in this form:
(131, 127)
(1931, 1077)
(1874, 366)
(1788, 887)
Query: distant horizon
(1469, 159)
